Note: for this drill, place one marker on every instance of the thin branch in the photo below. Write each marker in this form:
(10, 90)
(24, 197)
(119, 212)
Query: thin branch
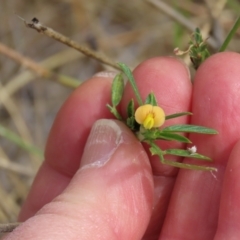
(16, 168)
(38, 69)
(8, 227)
(21, 79)
(38, 26)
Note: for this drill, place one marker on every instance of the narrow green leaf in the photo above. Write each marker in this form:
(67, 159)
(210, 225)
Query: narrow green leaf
(189, 128)
(175, 115)
(132, 81)
(157, 134)
(155, 150)
(187, 166)
(230, 35)
(13, 137)
(117, 89)
(130, 109)
(173, 137)
(186, 153)
(132, 124)
(151, 99)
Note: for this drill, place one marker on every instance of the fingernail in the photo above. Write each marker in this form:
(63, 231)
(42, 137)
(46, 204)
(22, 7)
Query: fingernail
(106, 74)
(104, 139)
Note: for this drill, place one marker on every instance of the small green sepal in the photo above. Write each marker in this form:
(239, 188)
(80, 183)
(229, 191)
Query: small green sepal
(151, 99)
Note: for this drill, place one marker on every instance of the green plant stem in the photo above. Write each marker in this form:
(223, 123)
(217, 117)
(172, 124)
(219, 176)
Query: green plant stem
(230, 35)
(115, 112)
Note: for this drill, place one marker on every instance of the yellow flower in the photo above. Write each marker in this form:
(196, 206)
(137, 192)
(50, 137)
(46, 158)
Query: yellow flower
(150, 116)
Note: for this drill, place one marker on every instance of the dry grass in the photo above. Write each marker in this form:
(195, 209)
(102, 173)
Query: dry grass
(125, 31)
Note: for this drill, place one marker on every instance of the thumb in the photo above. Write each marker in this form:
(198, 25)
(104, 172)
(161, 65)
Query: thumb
(110, 197)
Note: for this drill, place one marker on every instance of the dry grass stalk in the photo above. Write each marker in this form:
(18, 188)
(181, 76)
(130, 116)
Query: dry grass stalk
(8, 227)
(35, 24)
(36, 68)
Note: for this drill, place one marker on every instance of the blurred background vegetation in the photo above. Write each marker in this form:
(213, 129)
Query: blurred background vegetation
(125, 31)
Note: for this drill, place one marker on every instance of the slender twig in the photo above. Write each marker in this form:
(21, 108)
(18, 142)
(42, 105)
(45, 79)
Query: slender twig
(38, 26)
(16, 168)
(36, 68)
(21, 79)
(8, 227)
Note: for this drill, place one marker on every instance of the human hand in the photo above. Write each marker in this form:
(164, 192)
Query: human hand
(112, 195)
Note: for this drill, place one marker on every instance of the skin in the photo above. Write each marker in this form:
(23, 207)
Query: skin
(134, 196)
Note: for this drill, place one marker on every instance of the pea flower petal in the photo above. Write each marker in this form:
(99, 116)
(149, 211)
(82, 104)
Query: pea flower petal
(150, 116)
